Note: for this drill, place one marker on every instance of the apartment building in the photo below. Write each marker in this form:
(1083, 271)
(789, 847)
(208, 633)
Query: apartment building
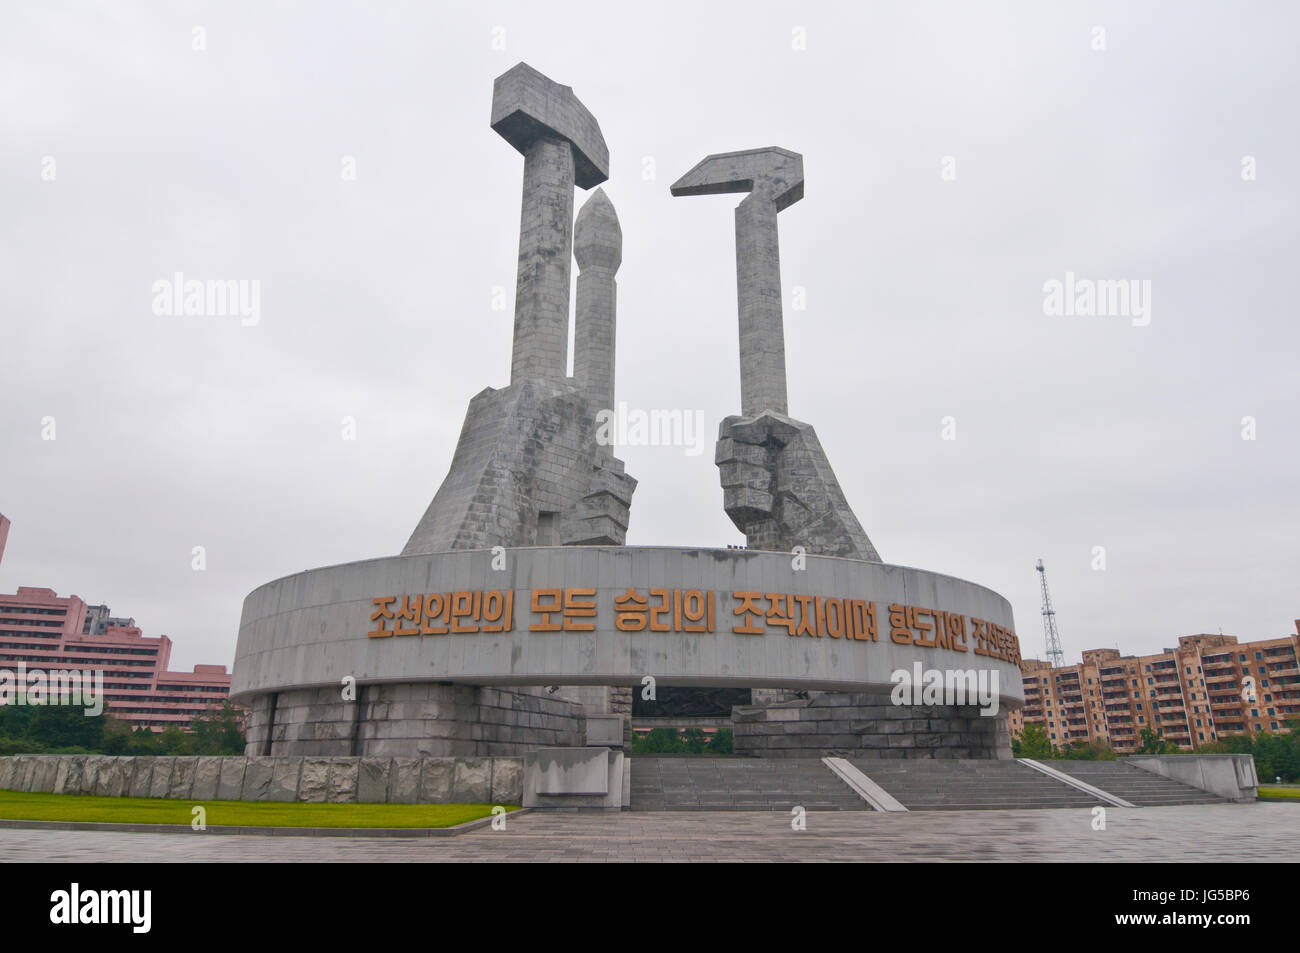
(45, 631)
(1206, 688)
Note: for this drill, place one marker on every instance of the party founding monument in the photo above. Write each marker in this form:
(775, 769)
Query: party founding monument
(515, 618)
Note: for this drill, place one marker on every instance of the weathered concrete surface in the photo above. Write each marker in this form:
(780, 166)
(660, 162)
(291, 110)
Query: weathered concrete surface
(231, 781)
(575, 778)
(562, 146)
(541, 339)
(256, 785)
(339, 780)
(160, 780)
(527, 471)
(778, 486)
(207, 779)
(1230, 776)
(309, 628)
(598, 249)
(774, 180)
(142, 778)
(415, 719)
(182, 780)
(780, 491)
(868, 725)
(374, 775)
(507, 781)
(606, 731)
(527, 106)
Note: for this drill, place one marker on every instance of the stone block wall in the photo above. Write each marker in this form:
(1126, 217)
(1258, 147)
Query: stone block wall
(526, 450)
(412, 720)
(840, 724)
(319, 780)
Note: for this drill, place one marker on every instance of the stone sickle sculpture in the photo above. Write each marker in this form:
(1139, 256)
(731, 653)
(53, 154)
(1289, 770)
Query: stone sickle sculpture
(778, 487)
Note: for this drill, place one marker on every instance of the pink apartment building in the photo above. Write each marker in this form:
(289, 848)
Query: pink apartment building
(44, 631)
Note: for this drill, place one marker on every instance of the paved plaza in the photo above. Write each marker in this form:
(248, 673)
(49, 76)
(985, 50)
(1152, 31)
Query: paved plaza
(1195, 833)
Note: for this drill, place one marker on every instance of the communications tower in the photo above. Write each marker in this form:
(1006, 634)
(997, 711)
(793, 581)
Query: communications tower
(1054, 653)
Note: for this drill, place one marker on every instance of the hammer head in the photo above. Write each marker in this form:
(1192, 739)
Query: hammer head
(776, 172)
(526, 106)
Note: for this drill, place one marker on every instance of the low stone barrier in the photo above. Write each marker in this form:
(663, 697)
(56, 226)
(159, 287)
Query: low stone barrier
(1230, 776)
(320, 780)
(577, 779)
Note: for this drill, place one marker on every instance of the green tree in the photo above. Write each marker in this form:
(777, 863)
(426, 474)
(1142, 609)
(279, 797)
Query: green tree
(218, 731)
(1032, 742)
(15, 720)
(64, 726)
(1153, 743)
(116, 737)
(173, 741)
(658, 741)
(693, 741)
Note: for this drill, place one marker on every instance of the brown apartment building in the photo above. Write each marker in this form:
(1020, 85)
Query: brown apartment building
(1193, 694)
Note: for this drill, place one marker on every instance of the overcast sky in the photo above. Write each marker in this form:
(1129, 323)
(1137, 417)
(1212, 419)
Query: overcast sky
(924, 295)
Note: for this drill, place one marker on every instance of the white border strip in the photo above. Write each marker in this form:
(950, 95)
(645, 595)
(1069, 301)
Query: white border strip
(1076, 783)
(863, 786)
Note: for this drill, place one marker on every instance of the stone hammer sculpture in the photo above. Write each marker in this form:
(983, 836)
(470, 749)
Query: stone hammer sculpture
(527, 470)
(778, 487)
(562, 147)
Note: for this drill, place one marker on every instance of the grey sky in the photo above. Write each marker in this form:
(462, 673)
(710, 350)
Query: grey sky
(924, 296)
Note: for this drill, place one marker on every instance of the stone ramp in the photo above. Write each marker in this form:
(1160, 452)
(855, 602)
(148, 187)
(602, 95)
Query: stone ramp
(1133, 784)
(944, 784)
(738, 784)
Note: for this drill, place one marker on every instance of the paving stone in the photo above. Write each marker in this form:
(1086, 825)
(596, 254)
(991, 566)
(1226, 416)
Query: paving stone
(1214, 833)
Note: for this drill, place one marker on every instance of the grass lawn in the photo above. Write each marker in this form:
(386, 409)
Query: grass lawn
(18, 805)
(1272, 792)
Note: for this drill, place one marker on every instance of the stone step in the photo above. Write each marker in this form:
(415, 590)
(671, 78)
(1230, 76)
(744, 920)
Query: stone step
(738, 784)
(956, 785)
(1133, 784)
(758, 784)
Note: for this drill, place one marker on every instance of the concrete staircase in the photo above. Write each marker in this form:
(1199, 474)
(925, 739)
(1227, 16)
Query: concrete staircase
(1133, 784)
(976, 785)
(778, 784)
(738, 784)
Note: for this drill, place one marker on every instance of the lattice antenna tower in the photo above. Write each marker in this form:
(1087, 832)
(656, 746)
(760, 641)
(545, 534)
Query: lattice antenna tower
(1054, 653)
